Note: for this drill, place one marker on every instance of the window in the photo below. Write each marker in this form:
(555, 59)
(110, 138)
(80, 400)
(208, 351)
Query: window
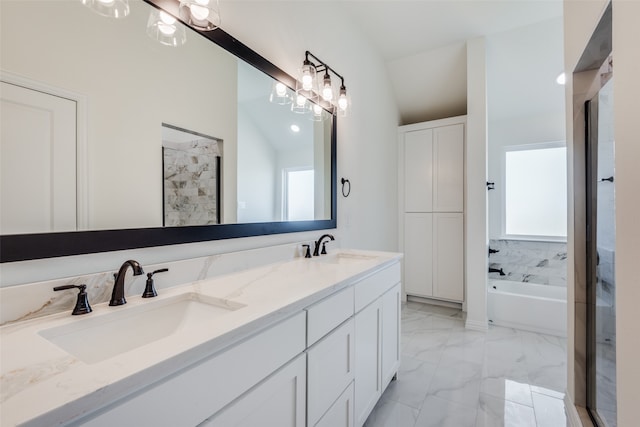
(298, 195)
(535, 191)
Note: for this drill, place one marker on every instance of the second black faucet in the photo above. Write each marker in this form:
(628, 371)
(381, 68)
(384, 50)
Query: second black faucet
(117, 296)
(316, 249)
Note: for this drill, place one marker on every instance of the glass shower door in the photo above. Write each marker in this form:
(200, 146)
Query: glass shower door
(601, 315)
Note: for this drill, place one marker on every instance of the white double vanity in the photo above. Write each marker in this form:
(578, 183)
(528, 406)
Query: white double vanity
(297, 342)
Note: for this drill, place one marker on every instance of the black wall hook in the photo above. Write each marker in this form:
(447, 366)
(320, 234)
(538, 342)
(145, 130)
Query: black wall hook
(491, 185)
(345, 181)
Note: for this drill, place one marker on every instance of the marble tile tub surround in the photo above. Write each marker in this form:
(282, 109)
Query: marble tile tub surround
(453, 377)
(544, 263)
(28, 301)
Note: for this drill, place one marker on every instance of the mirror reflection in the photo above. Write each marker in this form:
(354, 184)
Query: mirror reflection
(107, 88)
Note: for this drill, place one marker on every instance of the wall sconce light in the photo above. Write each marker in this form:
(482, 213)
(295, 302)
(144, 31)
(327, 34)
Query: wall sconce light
(203, 15)
(323, 89)
(109, 8)
(166, 29)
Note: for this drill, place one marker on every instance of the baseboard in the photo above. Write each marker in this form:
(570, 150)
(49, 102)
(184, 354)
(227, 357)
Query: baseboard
(476, 325)
(433, 301)
(573, 418)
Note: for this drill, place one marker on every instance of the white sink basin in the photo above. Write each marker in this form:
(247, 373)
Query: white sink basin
(344, 258)
(94, 339)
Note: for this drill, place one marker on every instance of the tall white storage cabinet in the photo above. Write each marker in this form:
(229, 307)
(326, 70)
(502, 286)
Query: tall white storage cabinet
(431, 200)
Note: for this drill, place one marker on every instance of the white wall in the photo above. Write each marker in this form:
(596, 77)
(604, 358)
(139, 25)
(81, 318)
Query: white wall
(476, 244)
(515, 131)
(257, 173)
(581, 18)
(525, 105)
(282, 32)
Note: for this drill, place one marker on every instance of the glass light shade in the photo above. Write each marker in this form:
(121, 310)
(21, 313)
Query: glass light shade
(326, 90)
(279, 94)
(109, 8)
(166, 29)
(300, 104)
(343, 102)
(308, 76)
(317, 115)
(203, 15)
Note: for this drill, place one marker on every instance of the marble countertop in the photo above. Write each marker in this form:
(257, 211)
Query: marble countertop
(43, 385)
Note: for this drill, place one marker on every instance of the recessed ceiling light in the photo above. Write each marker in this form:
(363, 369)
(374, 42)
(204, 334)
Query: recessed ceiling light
(295, 128)
(561, 79)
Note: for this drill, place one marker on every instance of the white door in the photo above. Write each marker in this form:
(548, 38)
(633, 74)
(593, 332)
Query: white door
(390, 334)
(448, 253)
(368, 387)
(418, 171)
(448, 169)
(38, 161)
(418, 254)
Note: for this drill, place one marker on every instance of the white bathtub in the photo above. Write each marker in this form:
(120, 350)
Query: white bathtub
(528, 306)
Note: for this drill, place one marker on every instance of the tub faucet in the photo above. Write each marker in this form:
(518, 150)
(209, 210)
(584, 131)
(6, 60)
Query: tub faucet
(316, 250)
(117, 296)
(496, 270)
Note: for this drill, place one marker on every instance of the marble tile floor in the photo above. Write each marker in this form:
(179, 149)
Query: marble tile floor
(454, 377)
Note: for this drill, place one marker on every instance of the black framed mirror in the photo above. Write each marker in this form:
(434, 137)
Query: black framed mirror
(95, 236)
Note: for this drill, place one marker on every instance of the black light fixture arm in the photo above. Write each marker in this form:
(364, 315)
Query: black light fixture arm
(322, 67)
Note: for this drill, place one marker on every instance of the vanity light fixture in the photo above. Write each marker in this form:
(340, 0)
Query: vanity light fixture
(166, 29)
(203, 15)
(109, 8)
(323, 91)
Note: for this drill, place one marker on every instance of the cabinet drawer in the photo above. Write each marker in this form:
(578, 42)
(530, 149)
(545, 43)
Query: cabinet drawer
(329, 370)
(324, 316)
(341, 412)
(189, 397)
(370, 288)
(277, 401)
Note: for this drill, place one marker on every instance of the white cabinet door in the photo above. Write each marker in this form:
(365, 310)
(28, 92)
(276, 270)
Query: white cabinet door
(448, 252)
(448, 169)
(278, 401)
(367, 361)
(341, 412)
(390, 334)
(418, 171)
(418, 254)
(329, 370)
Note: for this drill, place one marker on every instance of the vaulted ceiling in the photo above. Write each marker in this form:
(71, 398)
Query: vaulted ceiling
(424, 46)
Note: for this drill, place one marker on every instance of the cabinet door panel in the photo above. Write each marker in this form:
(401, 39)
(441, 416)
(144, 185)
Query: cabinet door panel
(448, 266)
(329, 370)
(418, 171)
(278, 401)
(418, 254)
(448, 169)
(390, 334)
(367, 361)
(341, 412)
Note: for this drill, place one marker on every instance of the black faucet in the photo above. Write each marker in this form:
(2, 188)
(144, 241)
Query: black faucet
(316, 250)
(117, 296)
(496, 270)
